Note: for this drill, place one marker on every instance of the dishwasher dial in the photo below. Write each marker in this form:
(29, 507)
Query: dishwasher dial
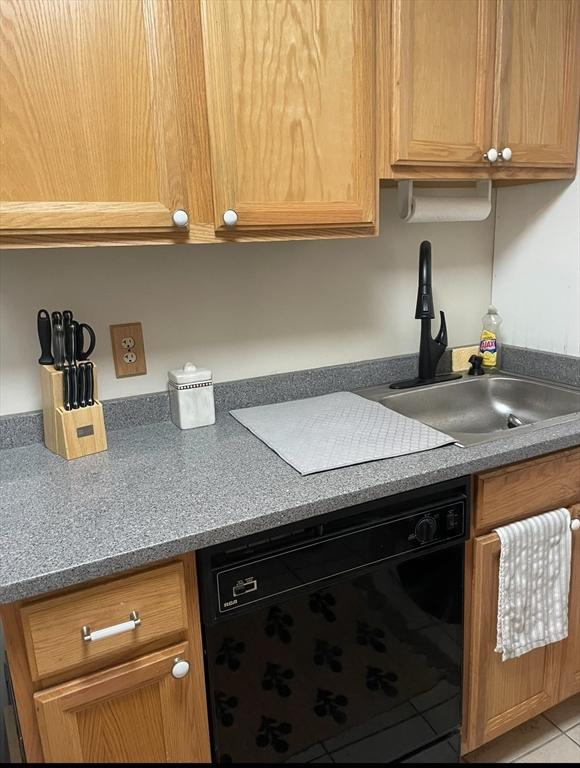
(425, 529)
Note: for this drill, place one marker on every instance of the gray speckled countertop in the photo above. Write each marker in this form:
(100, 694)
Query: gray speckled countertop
(158, 492)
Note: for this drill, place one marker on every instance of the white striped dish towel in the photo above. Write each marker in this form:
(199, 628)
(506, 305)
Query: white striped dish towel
(534, 582)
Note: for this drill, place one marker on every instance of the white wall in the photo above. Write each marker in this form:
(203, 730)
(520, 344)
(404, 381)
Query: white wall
(244, 310)
(536, 275)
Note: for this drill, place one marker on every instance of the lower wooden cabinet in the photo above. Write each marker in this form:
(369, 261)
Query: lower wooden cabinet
(137, 712)
(570, 677)
(126, 694)
(500, 695)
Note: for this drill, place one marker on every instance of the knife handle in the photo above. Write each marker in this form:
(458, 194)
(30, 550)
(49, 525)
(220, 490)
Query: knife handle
(56, 318)
(70, 342)
(66, 389)
(67, 317)
(74, 386)
(89, 384)
(58, 345)
(81, 386)
(44, 336)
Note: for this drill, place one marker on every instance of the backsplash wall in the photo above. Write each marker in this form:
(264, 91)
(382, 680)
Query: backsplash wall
(247, 309)
(536, 275)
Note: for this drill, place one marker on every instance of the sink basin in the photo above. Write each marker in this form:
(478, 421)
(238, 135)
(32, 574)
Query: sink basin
(477, 409)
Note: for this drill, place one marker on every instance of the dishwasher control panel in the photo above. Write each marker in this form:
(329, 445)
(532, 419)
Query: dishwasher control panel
(337, 551)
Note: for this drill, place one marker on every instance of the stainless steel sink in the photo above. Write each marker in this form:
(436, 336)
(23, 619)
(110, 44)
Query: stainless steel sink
(475, 409)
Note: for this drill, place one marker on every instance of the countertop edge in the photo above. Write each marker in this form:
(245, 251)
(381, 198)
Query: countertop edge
(539, 444)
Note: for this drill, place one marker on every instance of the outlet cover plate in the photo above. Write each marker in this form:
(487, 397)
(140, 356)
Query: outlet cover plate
(129, 358)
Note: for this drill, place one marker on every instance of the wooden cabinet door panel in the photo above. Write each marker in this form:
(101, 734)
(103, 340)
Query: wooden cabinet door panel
(89, 138)
(442, 76)
(537, 81)
(290, 88)
(570, 676)
(136, 713)
(501, 694)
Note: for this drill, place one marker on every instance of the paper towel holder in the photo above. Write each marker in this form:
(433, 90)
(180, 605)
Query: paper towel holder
(405, 195)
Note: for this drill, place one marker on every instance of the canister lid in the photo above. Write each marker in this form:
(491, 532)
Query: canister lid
(189, 374)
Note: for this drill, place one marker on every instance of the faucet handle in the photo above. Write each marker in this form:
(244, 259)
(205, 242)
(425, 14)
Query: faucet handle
(476, 363)
(441, 337)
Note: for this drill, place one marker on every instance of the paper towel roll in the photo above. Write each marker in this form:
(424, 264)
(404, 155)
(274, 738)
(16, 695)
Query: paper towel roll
(448, 209)
(419, 208)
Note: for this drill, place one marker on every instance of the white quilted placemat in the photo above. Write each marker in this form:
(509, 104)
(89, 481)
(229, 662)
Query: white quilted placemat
(336, 430)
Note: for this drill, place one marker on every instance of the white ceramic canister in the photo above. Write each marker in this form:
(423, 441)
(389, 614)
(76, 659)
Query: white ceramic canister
(191, 396)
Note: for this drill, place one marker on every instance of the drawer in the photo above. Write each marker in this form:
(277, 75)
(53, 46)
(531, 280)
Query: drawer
(53, 627)
(529, 488)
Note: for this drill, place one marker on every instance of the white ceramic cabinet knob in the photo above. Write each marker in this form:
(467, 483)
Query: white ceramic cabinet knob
(180, 218)
(230, 218)
(575, 524)
(491, 155)
(505, 154)
(180, 668)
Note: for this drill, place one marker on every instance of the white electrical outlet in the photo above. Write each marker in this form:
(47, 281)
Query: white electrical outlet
(128, 343)
(130, 357)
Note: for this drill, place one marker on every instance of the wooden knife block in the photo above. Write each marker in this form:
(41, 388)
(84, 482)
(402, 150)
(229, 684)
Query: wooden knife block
(75, 433)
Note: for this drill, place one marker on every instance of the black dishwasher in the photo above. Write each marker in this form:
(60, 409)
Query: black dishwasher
(340, 638)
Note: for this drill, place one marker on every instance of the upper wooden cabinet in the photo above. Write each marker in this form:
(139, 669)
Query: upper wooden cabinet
(537, 81)
(442, 88)
(148, 121)
(89, 138)
(478, 88)
(290, 89)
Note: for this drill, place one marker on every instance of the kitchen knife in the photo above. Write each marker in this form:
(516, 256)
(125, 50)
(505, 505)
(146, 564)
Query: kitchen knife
(81, 385)
(89, 384)
(56, 318)
(74, 386)
(44, 336)
(58, 345)
(70, 340)
(70, 349)
(66, 389)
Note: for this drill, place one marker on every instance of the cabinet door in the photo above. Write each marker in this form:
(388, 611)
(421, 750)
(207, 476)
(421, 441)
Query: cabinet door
(570, 677)
(442, 80)
(501, 694)
(290, 88)
(537, 81)
(135, 713)
(88, 136)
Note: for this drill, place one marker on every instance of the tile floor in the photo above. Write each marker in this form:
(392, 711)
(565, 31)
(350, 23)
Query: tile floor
(554, 737)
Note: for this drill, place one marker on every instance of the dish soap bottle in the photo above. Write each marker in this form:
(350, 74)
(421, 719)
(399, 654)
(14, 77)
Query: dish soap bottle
(489, 340)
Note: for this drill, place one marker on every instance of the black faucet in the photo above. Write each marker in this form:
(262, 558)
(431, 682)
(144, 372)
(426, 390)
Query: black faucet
(430, 350)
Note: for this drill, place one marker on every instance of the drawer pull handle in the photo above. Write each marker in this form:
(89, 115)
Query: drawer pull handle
(575, 523)
(116, 629)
